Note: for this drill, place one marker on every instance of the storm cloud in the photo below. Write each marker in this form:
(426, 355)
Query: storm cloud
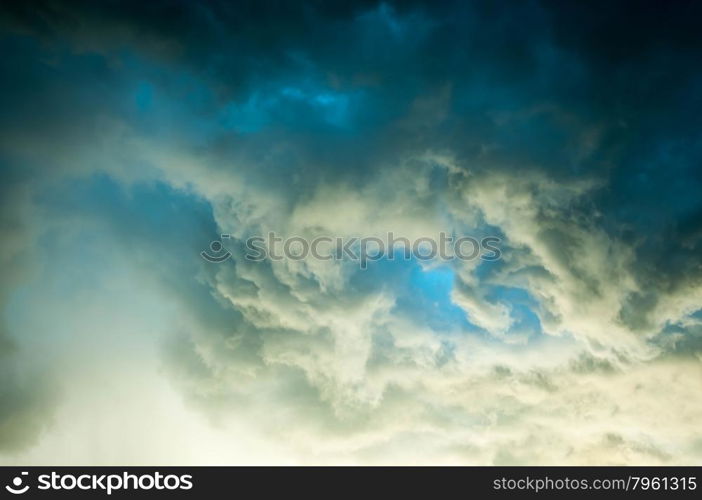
(133, 134)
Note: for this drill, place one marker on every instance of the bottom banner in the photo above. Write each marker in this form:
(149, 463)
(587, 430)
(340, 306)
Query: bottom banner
(230, 482)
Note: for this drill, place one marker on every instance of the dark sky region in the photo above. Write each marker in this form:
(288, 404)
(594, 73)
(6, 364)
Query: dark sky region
(135, 133)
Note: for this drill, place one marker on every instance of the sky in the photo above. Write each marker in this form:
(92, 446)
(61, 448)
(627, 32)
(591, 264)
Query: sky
(132, 134)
